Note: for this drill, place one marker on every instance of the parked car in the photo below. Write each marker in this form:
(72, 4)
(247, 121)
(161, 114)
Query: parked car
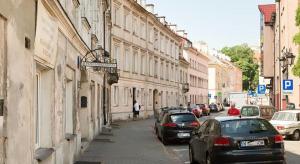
(236, 140)
(205, 109)
(262, 111)
(176, 126)
(213, 107)
(196, 110)
(287, 123)
(164, 111)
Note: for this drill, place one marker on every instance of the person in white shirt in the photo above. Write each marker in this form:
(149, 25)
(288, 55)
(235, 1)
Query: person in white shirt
(136, 109)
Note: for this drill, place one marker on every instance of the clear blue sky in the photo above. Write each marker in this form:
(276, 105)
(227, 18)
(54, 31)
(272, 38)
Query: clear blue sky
(218, 22)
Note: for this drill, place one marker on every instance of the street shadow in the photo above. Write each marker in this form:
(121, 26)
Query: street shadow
(292, 158)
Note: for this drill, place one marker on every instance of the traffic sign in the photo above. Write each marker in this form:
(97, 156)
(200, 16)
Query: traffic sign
(261, 89)
(287, 86)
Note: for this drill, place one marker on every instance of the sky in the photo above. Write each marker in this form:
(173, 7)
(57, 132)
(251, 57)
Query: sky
(219, 23)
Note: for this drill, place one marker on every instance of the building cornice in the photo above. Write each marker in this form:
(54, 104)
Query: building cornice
(65, 25)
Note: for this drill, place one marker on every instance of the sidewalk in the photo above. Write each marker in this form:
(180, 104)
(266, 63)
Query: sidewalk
(132, 142)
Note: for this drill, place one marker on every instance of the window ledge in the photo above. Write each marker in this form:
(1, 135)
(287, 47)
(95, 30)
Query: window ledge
(43, 153)
(69, 136)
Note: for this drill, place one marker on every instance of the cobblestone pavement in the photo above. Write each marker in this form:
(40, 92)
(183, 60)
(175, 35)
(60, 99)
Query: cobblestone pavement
(132, 143)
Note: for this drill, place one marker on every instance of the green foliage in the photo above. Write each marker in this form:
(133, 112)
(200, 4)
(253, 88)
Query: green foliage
(296, 67)
(243, 57)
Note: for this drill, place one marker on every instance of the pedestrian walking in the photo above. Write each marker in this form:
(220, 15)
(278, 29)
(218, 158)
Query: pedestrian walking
(136, 109)
(233, 111)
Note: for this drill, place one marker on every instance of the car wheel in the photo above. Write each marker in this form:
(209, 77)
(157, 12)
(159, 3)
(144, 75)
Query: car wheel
(296, 135)
(191, 156)
(208, 159)
(164, 140)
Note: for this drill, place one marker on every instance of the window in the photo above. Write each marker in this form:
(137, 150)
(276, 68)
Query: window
(134, 59)
(43, 100)
(161, 70)
(156, 39)
(142, 96)
(127, 58)
(116, 15)
(117, 55)
(142, 64)
(151, 34)
(167, 72)
(126, 19)
(125, 96)
(155, 68)
(162, 43)
(116, 96)
(135, 26)
(150, 97)
(69, 107)
(143, 30)
(151, 66)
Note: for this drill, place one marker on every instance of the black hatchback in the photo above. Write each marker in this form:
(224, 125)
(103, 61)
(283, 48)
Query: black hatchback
(176, 126)
(235, 140)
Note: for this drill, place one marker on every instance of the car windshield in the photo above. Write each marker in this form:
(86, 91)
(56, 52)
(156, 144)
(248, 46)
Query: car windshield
(246, 127)
(178, 118)
(284, 116)
(249, 111)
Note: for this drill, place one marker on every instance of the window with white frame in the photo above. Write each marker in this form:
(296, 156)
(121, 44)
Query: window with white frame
(127, 59)
(43, 100)
(142, 64)
(162, 70)
(135, 24)
(117, 15)
(151, 34)
(156, 39)
(155, 68)
(167, 72)
(150, 98)
(176, 52)
(162, 43)
(117, 55)
(166, 46)
(126, 19)
(125, 96)
(145, 64)
(134, 58)
(69, 108)
(151, 66)
(143, 29)
(137, 63)
(116, 96)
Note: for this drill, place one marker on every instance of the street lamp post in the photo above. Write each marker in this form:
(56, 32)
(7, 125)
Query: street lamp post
(287, 60)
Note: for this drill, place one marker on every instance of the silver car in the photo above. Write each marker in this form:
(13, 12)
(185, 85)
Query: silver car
(287, 123)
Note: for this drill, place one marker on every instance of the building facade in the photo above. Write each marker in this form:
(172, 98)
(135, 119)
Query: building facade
(278, 30)
(51, 107)
(197, 74)
(148, 53)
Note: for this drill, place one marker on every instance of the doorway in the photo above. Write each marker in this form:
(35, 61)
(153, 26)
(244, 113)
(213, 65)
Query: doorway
(155, 102)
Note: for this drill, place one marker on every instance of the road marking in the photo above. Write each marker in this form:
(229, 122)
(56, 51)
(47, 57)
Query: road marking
(180, 150)
(187, 162)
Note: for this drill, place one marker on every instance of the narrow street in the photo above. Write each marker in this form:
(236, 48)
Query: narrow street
(135, 142)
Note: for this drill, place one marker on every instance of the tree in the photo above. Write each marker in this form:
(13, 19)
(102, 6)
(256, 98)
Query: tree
(296, 68)
(243, 57)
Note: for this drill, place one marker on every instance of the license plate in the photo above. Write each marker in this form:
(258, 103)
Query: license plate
(252, 143)
(183, 135)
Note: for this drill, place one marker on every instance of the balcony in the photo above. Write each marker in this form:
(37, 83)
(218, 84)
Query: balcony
(185, 87)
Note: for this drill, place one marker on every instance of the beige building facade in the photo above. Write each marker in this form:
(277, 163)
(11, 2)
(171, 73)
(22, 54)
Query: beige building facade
(147, 51)
(197, 74)
(51, 107)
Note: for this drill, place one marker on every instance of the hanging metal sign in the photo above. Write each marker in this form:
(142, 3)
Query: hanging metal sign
(98, 64)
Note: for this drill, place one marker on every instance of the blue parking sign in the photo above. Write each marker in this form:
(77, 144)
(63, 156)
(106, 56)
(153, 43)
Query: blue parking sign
(261, 89)
(287, 86)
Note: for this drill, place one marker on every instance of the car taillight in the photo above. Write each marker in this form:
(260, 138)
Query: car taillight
(280, 127)
(222, 141)
(195, 123)
(169, 125)
(278, 138)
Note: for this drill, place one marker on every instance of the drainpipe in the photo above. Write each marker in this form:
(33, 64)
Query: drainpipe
(279, 50)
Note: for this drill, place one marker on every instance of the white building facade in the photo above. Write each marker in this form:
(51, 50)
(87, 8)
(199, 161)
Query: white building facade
(148, 52)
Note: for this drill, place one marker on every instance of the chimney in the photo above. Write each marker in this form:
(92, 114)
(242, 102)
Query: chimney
(161, 19)
(180, 32)
(173, 27)
(150, 8)
(185, 35)
(143, 3)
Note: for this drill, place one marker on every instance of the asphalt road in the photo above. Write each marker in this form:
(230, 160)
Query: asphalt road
(181, 150)
(135, 142)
